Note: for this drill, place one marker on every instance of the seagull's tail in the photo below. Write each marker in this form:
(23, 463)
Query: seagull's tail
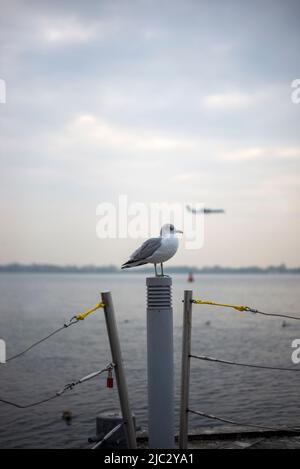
(132, 263)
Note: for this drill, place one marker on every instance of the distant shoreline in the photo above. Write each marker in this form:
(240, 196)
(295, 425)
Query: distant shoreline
(111, 269)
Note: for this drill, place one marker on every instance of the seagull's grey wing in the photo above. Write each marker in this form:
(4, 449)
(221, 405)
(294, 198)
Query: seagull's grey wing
(146, 249)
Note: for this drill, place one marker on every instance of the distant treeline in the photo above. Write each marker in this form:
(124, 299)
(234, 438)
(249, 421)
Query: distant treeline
(92, 269)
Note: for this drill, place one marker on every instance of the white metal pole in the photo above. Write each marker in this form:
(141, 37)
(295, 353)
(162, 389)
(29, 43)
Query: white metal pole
(113, 336)
(185, 369)
(160, 363)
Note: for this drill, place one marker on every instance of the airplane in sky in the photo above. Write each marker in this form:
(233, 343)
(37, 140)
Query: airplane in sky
(206, 211)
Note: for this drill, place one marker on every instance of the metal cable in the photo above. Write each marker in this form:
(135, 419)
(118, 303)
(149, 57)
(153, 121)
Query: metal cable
(67, 387)
(107, 436)
(19, 406)
(228, 362)
(255, 311)
(242, 424)
(243, 308)
(73, 321)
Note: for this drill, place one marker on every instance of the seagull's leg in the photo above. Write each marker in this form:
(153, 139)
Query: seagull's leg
(162, 269)
(155, 270)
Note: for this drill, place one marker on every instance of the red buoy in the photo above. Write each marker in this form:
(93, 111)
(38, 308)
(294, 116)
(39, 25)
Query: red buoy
(191, 277)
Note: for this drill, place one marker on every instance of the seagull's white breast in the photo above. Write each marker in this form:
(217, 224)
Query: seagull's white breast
(167, 249)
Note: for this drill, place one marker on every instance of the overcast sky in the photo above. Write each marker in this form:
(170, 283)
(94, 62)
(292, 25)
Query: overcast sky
(163, 100)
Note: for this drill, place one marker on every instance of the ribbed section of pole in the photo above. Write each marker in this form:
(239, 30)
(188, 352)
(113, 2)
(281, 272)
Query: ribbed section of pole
(160, 363)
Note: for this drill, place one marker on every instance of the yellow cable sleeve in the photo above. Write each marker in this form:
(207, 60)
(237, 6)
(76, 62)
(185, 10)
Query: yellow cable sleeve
(237, 307)
(82, 316)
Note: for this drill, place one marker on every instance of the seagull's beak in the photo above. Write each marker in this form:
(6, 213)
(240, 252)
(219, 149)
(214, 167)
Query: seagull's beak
(179, 231)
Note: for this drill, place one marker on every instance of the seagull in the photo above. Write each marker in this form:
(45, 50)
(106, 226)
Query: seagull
(156, 250)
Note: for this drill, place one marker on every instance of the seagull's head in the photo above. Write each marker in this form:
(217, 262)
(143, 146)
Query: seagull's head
(168, 230)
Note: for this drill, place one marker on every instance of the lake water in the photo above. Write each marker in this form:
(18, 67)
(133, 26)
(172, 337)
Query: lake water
(32, 305)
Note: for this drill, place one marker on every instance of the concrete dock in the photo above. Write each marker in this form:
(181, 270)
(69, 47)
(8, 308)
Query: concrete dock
(238, 439)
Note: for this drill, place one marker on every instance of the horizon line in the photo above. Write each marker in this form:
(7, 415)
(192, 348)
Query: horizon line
(112, 268)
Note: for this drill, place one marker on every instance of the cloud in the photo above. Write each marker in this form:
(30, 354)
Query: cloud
(71, 30)
(262, 152)
(226, 101)
(182, 103)
(240, 99)
(90, 130)
(68, 31)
